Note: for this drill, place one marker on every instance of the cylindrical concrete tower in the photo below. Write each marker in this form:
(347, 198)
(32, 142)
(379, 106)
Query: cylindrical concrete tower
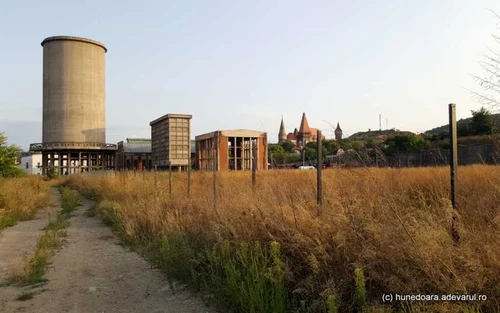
(73, 91)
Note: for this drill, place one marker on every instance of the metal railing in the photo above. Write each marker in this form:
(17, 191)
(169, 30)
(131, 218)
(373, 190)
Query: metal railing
(72, 145)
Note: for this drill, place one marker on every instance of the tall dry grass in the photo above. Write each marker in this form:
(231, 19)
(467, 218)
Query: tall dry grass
(390, 228)
(20, 198)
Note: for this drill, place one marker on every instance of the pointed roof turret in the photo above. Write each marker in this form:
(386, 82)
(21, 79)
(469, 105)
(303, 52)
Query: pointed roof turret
(282, 132)
(304, 126)
(338, 127)
(338, 132)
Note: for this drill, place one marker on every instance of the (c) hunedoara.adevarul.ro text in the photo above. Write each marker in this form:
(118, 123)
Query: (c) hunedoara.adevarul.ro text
(389, 297)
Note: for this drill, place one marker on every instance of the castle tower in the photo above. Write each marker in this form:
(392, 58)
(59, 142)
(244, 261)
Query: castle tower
(338, 132)
(304, 135)
(282, 132)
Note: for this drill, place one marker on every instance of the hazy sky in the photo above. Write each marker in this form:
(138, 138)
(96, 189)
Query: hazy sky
(242, 64)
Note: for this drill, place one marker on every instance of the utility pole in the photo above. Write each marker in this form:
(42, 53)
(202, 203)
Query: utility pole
(303, 155)
(380, 122)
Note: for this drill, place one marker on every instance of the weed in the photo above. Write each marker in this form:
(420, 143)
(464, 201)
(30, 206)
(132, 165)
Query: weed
(59, 223)
(20, 198)
(24, 296)
(332, 304)
(70, 200)
(360, 297)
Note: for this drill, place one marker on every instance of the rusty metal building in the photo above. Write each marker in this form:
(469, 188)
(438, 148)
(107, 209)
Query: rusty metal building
(170, 142)
(134, 154)
(233, 150)
(74, 123)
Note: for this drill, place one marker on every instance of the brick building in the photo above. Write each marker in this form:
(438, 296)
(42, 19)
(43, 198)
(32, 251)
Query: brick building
(170, 141)
(233, 150)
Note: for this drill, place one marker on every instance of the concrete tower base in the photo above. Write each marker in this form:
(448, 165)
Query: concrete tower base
(70, 159)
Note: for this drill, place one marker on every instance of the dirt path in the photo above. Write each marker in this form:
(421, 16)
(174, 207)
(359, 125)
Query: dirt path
(92, 273)
(20, 239)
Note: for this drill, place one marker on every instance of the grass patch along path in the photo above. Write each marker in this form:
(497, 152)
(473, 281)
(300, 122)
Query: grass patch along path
(19, 240)
(21, 199)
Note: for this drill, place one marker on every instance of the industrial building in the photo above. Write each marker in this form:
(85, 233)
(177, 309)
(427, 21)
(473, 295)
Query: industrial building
(74, 122)
(134, 154)
(31, 164)
(170, 142)
(233, 150)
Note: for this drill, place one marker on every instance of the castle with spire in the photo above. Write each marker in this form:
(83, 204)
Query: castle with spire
(304, 134)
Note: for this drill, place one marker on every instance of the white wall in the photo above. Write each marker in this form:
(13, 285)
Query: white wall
(30, 163)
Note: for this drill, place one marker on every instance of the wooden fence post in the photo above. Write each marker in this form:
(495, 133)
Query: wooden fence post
(215, 177)
(189, 173)
(156, 181)
(453, 152)
(453, 167)
(319, 169)
(254, 166)
(170, 178)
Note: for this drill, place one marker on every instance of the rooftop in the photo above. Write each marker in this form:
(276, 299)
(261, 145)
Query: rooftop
(232, 133)
(186, 116)
(137, 145)
(73, 38)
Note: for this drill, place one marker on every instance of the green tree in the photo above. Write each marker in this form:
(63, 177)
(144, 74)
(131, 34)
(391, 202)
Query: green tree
(312, 147)
(8, 156)
(310, 153)
(276, 154)
(356, 145)
(331, 146)
(287, 146)
(292, 157)
(405, 143)
(482, 123)
(464, 129)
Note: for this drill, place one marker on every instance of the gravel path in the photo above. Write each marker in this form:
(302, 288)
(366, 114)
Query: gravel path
(92, 273)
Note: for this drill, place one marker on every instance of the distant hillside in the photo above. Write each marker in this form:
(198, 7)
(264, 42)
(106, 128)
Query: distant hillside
(378, 134)
(464, 121)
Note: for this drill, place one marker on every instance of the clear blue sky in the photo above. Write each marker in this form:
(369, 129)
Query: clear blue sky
(241, 64)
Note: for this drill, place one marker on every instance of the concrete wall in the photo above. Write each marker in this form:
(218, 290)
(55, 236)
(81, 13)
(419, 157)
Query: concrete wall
(30, 163)
(73, 90)
(170, 140)
(223, 160)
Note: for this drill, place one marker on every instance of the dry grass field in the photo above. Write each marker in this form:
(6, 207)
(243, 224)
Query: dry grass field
(20, 198)
(271, 249)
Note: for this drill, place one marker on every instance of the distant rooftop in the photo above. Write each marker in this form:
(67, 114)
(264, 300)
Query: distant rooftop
(137, 145)
(232, 133)
(143, 145)
(170, 115)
